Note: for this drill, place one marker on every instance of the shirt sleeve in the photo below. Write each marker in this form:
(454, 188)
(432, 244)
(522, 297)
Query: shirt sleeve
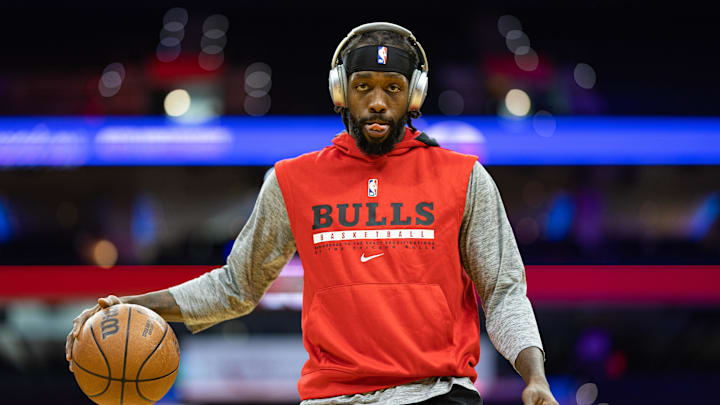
(263, 247)
(491, 258)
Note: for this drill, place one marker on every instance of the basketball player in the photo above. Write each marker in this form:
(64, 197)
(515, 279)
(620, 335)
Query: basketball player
(395, 235)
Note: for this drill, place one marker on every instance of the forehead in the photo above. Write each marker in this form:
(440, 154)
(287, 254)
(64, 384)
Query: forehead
(374, 75)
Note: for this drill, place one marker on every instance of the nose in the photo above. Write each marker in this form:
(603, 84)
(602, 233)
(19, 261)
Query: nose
(377, 103)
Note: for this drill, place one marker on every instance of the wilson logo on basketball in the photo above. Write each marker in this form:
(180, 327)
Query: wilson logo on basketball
(109, 324)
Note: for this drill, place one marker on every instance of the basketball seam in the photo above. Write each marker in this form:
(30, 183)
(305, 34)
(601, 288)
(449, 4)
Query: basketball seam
(127, 338)
(109, 376)
(137, 378)
(120, 379)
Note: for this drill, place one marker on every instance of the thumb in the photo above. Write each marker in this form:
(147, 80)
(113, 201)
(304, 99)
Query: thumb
(109, 301)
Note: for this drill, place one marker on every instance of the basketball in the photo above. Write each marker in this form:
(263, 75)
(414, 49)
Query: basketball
(125, 355)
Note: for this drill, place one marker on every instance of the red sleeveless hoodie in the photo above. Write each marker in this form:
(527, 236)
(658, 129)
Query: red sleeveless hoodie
(386, 300)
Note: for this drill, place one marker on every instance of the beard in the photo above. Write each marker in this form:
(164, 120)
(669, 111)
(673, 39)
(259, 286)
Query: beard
(395, 135)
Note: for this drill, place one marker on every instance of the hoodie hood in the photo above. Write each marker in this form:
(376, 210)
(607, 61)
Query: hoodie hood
(411, 140)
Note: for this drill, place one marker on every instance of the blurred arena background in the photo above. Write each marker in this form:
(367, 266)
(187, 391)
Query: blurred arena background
(134, 138)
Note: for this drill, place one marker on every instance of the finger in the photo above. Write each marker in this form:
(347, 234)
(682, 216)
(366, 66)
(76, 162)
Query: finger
(68, 352)
(68, 347)
(549, 401)
(109, 301)
(531, 399)
(77, 323)
(75, 329)
(70, 340)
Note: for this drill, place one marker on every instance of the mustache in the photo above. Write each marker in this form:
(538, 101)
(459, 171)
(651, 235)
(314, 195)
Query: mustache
(376, 117)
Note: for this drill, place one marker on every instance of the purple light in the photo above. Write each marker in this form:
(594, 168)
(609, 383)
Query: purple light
(593, 345)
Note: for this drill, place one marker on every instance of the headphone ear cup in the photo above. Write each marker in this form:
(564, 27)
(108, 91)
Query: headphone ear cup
(337, 85)
(418, 90)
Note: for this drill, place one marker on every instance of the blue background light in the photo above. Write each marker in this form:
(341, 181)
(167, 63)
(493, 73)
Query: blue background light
(65, 141)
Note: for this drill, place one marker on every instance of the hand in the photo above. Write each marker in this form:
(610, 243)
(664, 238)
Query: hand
(538, 393)
(78, 322)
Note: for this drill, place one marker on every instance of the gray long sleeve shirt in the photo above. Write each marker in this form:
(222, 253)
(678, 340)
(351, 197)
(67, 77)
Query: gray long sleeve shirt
(266, 244)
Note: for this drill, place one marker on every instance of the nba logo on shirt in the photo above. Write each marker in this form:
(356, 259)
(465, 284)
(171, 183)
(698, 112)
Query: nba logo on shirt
(372, 187)
(382, 55)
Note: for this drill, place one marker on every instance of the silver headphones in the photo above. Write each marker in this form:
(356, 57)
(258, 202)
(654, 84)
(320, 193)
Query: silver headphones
(338, 80)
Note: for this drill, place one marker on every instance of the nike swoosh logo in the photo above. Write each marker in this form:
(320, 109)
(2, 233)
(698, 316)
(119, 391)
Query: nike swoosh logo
(365, 259)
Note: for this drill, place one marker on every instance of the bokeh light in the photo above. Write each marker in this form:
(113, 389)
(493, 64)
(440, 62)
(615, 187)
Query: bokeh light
(704, 217)
(258, 81)
(175, 19)
(209, 61)
(584, 76)
(213, 45)
(559, 219)
(111, 79)
(177, 103)
(171, 38)
(586, 394)
(527, 231)
(258, 66)
(5, 221)
(593, 345)
(171, 34)
(507, 23)
(516, 40)
(544, 123)
(167, 53)
(616, 365)
(522, 50)
(213, 42)
(173, 26)
(451, 102)
(517, 102)
(104, 253)
(215, 26)
(257, 106)
(526, 58)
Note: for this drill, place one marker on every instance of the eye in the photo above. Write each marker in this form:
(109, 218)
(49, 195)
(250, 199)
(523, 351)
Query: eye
(394, 88)
(361, 87)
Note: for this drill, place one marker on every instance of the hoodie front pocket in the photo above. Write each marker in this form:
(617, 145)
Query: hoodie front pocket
(381, 328)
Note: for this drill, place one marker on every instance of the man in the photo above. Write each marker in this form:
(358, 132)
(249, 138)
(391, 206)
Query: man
(395, 234)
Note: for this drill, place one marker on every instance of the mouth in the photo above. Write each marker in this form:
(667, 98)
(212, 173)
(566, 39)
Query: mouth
(377, 129)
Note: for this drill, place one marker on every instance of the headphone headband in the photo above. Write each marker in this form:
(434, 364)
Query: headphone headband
(380, 26)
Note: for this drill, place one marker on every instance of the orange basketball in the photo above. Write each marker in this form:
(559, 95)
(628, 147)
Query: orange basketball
(125, 355)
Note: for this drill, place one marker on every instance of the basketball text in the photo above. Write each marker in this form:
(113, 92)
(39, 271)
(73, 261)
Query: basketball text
(109, 324)
(148, 328)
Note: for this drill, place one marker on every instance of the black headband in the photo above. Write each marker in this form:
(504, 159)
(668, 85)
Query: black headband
(381, 58)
